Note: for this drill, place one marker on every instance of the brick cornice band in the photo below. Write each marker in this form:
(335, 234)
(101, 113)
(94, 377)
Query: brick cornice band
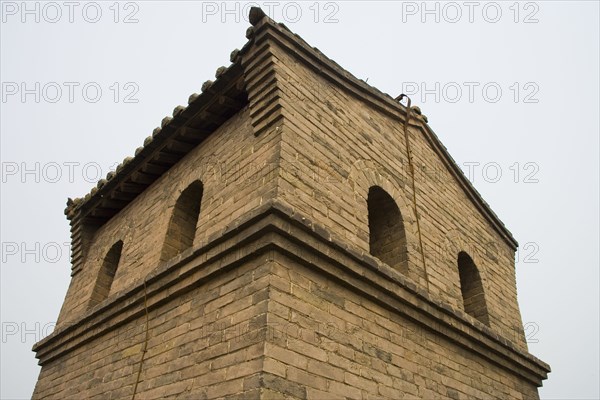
(275, 230)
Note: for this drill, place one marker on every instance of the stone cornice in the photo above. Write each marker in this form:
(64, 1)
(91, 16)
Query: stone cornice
(276, 229)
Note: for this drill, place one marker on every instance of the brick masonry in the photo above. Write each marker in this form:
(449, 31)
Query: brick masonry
(278, 295)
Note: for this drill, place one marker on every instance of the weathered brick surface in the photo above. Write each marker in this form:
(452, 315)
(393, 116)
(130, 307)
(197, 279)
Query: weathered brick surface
(263, 325)
(335, 148)
(358, 349)
(204, 344)
(278, 295)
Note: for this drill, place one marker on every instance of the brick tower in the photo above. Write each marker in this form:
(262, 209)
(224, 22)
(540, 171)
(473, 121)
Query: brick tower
(291, 233)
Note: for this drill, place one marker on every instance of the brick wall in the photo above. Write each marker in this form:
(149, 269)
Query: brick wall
(204, 344)
(337, 345)
(335, 148)
(264, 322)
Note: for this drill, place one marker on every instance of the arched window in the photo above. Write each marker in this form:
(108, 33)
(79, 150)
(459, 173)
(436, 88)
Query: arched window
(387, 238)
(106, 275)
(182, 226)
(472, 288)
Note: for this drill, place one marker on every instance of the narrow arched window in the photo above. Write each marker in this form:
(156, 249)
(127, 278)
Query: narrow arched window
(182, 226)
(472, 288)
(387, 238)
(106, 275)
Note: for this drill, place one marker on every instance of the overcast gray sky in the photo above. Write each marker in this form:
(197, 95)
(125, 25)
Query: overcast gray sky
(510, 88)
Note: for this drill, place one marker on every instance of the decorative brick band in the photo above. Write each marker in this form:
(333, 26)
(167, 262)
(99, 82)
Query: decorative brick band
(277, 229)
